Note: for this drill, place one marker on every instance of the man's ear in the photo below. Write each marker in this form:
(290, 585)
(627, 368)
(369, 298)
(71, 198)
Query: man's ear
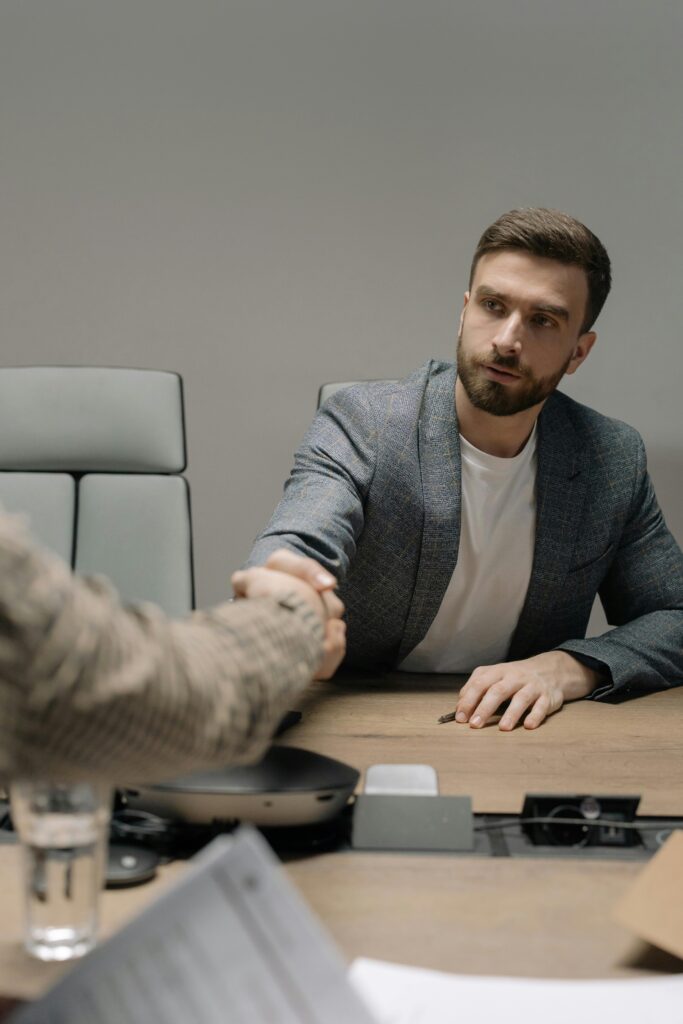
(581, 349)
(466, 299)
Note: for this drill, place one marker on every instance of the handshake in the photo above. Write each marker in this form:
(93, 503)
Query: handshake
(286, 573)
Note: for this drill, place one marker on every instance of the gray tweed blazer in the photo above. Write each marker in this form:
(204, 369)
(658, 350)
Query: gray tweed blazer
(374, 496)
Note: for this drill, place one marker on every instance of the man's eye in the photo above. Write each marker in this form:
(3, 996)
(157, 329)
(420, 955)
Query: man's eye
(491, 305)
(544, 321)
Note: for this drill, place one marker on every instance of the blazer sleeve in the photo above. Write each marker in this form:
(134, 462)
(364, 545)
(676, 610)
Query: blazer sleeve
(321, 513)
(89, 687)
(642, 594)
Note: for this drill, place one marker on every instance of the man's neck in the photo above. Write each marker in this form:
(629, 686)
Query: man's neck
(503, 436)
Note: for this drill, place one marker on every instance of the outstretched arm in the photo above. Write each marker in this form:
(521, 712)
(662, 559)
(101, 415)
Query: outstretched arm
(321, 514)
(88, 687)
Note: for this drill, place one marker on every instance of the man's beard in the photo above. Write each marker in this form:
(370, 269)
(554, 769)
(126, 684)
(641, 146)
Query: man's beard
(500, 399)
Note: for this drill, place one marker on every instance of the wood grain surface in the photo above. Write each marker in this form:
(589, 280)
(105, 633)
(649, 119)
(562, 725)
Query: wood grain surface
(631, 748)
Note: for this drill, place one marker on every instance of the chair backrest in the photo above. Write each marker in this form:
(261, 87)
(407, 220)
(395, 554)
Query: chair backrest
(93, 457)
(327, 390)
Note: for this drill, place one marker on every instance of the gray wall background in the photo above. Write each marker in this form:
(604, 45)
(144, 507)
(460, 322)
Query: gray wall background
(267, 194)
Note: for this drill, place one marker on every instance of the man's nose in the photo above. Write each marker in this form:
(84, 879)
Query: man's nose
(508, 339)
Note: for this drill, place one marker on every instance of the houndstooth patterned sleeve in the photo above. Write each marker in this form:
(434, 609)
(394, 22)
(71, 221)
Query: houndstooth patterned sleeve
(89, 688)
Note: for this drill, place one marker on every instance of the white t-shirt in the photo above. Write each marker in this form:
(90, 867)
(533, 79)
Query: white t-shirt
(484, 598)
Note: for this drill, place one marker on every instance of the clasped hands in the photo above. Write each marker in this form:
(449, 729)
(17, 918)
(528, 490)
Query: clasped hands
(287, 573)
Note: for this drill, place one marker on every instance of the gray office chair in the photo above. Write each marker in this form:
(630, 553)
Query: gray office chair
(327, 390)
(93, 457)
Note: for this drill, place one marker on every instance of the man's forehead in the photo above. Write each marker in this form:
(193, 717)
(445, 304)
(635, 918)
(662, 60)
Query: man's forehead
(534, 279)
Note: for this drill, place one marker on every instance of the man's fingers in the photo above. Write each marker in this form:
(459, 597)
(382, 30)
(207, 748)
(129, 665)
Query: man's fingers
(547, 705)
(238, 581)
(335, 633)
(306, 569)
(537, 715)
(473, 691)
(520, 703)
(333, 606)
(491, 701)
(483, 697)
(334, 648)
(250, 582)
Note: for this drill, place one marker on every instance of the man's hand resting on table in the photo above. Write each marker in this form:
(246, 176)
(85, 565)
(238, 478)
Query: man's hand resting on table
(286, 572)
(538, 686)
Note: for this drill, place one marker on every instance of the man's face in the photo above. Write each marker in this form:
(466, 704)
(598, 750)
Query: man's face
(520, 330)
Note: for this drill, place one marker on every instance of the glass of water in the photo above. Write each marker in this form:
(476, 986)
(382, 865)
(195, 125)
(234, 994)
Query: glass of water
(63, 831)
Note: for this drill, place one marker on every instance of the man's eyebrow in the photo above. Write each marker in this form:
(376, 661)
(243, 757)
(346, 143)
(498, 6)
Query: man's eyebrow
(541, 307)
(559, 311)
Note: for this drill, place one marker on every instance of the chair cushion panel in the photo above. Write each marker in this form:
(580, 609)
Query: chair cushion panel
(48, 501)
(136, 530)
(82, 419)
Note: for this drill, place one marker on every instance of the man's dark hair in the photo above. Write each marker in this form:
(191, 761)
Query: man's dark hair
(554, 236)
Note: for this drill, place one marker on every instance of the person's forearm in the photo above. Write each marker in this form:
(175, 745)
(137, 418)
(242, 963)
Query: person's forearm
(89, 687)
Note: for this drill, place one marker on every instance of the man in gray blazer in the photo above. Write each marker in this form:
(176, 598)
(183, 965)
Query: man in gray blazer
(472, 517)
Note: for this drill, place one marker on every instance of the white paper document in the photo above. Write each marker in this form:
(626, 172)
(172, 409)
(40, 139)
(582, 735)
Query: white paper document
(413, 995)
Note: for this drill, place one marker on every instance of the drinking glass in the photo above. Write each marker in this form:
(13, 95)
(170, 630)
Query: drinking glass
(63, 831)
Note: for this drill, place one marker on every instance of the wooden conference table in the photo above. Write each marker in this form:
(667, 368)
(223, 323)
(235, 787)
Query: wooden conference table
(473, 915)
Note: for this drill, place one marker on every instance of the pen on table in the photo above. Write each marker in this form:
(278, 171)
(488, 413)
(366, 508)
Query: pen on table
(450, 717)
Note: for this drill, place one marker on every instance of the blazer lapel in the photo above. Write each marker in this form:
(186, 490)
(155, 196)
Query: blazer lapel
(439, 454)
(560, 495)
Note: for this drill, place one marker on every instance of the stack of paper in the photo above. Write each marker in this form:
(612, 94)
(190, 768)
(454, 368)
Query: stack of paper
(412, 995)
